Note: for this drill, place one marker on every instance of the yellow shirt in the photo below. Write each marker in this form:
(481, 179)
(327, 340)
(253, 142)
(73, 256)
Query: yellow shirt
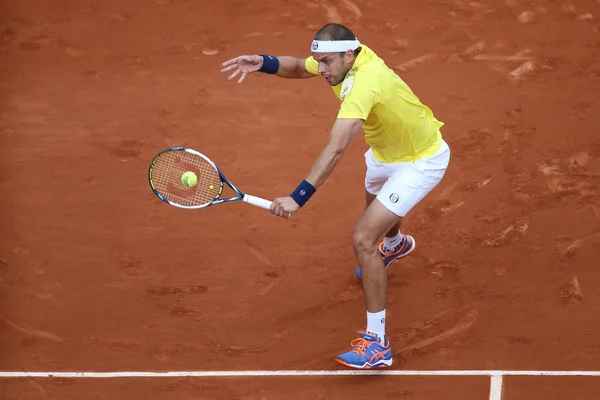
(398, 127)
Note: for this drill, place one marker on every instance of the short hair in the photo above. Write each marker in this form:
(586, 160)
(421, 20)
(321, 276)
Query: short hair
(336, 32)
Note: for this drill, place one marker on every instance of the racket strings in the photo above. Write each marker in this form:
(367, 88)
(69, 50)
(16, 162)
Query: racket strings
(167, 172)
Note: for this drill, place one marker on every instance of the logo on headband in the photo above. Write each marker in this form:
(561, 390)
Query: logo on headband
(315, 45)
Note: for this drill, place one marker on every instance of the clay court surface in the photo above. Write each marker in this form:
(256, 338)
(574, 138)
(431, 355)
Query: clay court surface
(96, 274)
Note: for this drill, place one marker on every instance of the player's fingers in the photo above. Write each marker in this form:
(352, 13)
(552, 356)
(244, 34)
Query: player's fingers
(242, 77)
(236, 73)
(280, 212)
(285, 213)
(232, 61)
(229, 68)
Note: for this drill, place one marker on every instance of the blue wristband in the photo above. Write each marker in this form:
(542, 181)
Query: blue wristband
(270, 64)
(303, 193)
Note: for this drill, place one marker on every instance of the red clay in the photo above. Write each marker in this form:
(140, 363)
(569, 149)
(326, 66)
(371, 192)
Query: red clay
(97, 274)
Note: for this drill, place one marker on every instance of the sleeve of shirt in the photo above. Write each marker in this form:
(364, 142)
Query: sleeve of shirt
(311, 65)
(359, 97)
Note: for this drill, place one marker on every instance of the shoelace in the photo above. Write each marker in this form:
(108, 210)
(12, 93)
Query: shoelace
(360, 345)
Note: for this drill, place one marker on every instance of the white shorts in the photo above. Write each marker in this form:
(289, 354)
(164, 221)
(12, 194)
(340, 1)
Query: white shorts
(400, 186)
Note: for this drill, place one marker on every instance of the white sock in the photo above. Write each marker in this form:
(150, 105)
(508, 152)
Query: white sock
(376, 324)
(390, 244)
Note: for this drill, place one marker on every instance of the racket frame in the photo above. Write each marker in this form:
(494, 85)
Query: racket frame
(256, 201)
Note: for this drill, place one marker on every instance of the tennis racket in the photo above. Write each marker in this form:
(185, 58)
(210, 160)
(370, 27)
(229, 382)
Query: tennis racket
(165, 177)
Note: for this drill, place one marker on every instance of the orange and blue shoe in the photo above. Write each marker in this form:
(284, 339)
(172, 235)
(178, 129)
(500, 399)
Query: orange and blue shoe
(367, 353)
(406, 246)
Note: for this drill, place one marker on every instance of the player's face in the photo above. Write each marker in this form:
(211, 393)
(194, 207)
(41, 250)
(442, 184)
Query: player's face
(334, 66)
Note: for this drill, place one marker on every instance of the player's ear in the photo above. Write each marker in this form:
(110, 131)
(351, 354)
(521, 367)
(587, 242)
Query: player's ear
(348, 56)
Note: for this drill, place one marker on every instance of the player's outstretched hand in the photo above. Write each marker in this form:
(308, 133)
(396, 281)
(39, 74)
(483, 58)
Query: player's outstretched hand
(242, 65)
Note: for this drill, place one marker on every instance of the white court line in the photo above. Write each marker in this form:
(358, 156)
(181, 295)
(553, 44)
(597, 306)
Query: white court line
(213, 374)
(496, 387)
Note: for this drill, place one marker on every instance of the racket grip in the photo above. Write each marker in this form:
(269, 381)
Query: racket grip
(257, 201)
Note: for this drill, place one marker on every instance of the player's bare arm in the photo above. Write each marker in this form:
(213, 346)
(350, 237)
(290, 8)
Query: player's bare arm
(284, 66)
(292, 67)
(342, 134)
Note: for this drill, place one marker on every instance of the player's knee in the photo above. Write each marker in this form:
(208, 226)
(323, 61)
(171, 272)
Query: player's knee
(363, 242)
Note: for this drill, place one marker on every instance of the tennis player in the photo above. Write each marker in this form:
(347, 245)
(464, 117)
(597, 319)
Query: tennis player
(407, 158)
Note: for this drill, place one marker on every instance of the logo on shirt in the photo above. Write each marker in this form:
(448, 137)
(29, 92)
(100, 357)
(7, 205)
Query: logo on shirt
(346, 87)
(394, 198)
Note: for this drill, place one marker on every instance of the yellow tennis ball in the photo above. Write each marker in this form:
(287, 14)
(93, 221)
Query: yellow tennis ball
(189, 179)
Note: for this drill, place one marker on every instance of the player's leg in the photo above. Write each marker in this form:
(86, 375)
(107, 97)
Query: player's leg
(376, 221)
(402, 186)
(393, 245)
(393, 238)
(369, 197)
(372, 349)
(376, 176)
(406, 185)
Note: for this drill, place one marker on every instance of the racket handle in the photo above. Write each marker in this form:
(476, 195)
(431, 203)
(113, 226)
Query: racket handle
(257, 201)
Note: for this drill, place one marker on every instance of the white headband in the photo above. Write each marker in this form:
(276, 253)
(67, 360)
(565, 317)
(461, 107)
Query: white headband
(334, 46)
